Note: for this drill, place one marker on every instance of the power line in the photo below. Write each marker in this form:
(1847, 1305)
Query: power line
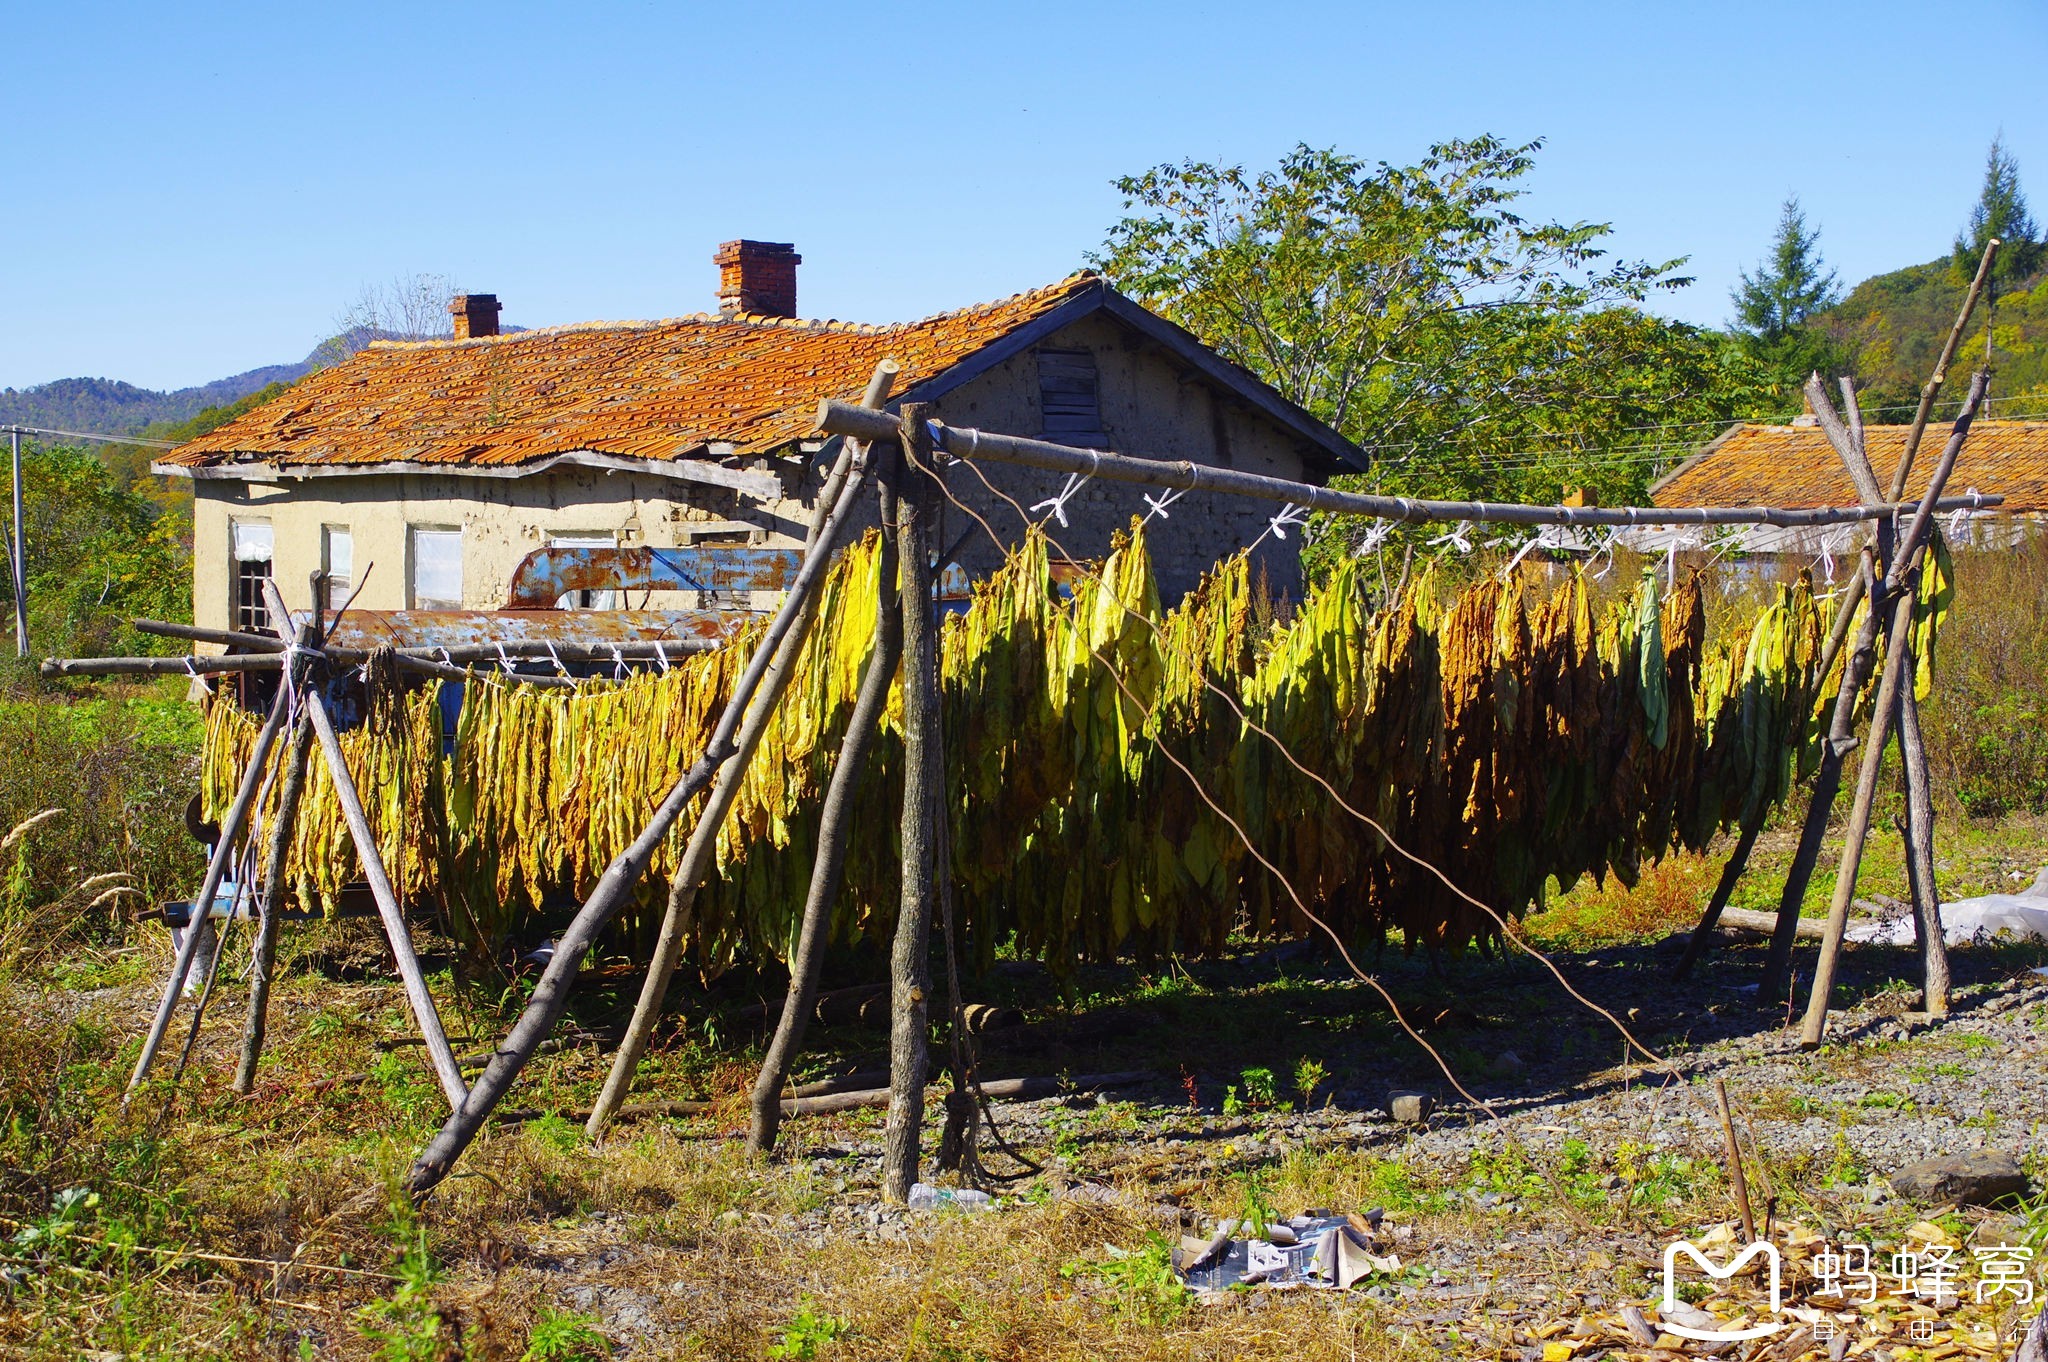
(90, 435)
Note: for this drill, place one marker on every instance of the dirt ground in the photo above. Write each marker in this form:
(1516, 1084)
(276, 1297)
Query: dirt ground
(1522, 1225)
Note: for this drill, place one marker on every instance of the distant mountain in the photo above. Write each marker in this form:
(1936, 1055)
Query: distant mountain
(110, 407)
(106, 406)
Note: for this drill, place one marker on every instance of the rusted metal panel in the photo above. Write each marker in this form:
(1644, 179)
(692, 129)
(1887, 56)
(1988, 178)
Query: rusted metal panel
(548, 574)
(456, 628)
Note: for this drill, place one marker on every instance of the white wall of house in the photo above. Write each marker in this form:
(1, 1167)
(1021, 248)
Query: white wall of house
(1149, 403)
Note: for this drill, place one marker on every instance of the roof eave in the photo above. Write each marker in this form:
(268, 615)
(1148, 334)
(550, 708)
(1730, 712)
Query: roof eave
(1100, 297)
(766, 486)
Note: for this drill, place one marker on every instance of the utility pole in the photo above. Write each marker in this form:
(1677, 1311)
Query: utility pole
(20, 555)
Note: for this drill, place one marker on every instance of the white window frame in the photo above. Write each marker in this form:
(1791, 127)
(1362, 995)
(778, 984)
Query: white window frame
(252, 615)
(339, 584)
(413, 599)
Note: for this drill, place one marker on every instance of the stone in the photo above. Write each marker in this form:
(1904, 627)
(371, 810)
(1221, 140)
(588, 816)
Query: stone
(1410, 1108)
(1508, 1063)
(1978, 1178)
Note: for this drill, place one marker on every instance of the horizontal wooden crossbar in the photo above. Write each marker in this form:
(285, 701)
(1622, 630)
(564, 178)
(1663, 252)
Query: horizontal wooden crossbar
(842, 418)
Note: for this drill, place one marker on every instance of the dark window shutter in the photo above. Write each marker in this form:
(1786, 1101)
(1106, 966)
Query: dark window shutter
(1069, 398)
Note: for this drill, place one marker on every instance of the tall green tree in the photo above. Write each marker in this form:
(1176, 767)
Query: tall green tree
(1470, 350)
(1777, 311)
(1781, 298)
(2000, 211)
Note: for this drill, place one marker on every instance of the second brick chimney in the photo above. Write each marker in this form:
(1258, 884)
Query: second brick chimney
(757, 277)
(476, 314)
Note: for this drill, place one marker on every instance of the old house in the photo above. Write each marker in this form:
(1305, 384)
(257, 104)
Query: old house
(446, 462)
(1793, 465)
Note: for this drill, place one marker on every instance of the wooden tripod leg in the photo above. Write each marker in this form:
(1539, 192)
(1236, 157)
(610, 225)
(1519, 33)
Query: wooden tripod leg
(424, 1014)
(551, 994)
(908, 966)
(833, 827)
(1827, 784)
(1920, 855)
(700, 852)
(1703, 934)
(202, 907)
(273, 897)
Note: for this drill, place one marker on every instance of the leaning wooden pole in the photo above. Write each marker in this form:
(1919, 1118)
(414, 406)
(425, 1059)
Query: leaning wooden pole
(1932, 388)
(1898, 595)
(909, 982)
(425, 1015)
(615, 886)
(835, 820)
(1731, 872)
(700, 852)
(1934, 970)
(264, 959)
(202, 906)
(1827, 783)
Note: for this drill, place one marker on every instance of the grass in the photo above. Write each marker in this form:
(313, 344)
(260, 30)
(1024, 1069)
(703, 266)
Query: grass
(215, 1226)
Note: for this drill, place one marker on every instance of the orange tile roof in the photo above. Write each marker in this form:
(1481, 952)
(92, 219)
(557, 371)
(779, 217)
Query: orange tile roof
(652, 390)
(1794, 466)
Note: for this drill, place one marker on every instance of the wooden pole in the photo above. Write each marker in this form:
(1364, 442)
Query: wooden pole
(1858, 827)
(209, 887)
(834, 822)
(431, 661)
(1736, 1177)
(1827, 783)
(551, 993)
(700, 852)
(1932, 388)
(922, 783)
(19, 549)
(158, 666)
(264, 958)
(1703, 934)
(228, 638)
(1898, 593)
(843, 418)
(1934, 970)
(425, 1015)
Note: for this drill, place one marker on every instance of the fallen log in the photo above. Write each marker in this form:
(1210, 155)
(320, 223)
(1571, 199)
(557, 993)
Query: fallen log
(1002, 1090)
(1750, 921)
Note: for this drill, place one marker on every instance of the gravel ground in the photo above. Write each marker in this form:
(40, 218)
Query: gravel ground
(1505, 1257)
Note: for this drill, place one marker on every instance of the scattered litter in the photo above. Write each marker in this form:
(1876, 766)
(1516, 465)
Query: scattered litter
(2023, 917)
(1315, 1249)
(925, 1197)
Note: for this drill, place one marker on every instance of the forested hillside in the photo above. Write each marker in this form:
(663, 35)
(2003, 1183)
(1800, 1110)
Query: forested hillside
(109, 406)
(1890, 328)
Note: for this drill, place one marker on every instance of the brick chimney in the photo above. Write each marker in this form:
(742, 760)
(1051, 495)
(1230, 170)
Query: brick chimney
(757, 277)
(476, 314)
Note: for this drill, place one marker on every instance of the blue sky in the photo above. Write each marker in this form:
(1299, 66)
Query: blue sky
(200, 189)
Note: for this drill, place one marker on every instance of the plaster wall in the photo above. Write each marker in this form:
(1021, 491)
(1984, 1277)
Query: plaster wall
(1151, 404)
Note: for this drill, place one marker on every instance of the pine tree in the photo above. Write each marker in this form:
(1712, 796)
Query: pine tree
(1790, 287)
(2001, 212)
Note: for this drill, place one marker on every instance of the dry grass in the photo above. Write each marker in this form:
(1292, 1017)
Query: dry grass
(677, 1218)
(1666, 898)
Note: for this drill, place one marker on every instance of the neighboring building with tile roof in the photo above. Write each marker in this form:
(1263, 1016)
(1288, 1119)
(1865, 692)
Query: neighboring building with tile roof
(446, 462)
(1752, 464)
